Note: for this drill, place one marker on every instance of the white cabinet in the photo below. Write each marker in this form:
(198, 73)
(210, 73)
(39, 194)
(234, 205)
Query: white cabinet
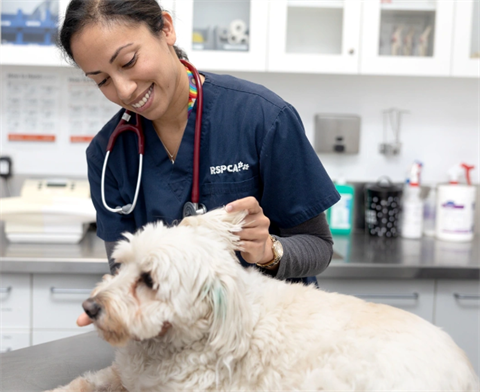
(57, 302)
(13, 340)
(457, 311)
(31, 54)
(375, 37)
(415, 296)
(167, 5)
(223, 35)
(45, 336)
(15, 320)
(40, 308)
(314, 36)
(466, 45)
(407, 37)
(15, 295)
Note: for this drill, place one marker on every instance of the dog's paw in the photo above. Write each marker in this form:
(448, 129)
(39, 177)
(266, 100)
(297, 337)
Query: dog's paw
(78, 385)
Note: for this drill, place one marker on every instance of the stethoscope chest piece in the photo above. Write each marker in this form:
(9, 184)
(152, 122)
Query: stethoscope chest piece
(192, 209)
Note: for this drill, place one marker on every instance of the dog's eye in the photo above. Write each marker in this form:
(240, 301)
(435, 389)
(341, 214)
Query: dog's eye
(147, 279)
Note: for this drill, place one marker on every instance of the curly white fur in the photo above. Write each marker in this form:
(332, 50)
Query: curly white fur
(234, 329)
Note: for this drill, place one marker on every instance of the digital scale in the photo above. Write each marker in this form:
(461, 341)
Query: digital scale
(48, 211)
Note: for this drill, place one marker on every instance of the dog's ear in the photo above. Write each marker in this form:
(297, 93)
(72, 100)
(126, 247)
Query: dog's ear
(122, 251)
(231, 318)
(225, 224)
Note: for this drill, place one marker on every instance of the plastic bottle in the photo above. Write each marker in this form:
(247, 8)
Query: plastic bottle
(429, 213)
(340, 215)
(412, 212)
(456, 206)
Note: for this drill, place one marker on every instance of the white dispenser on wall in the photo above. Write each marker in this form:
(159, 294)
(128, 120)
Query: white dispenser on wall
(456, 206)
(412, 209)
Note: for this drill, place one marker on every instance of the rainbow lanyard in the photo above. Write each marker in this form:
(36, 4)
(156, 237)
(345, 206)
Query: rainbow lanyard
(193, 91)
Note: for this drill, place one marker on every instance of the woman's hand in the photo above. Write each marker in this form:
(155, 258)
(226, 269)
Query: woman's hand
(254, 237)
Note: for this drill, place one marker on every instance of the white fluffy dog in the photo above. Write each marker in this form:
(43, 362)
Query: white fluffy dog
(187, 317)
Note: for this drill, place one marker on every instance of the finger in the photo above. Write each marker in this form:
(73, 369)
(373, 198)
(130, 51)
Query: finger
(251, 224)
(248, 203)
(257, 222)
(251, 235)
(83, 320)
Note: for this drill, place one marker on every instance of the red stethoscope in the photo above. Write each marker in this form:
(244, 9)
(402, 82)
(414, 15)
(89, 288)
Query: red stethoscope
(190, 208)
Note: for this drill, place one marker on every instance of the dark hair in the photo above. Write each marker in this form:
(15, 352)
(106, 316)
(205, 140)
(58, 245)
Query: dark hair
(81, 13)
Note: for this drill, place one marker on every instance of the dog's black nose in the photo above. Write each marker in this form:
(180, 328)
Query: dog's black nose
(92, 309)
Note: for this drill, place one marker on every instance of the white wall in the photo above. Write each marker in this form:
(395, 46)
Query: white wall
(442, 128)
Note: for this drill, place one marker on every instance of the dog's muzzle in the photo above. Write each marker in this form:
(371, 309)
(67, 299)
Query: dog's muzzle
(92, 309)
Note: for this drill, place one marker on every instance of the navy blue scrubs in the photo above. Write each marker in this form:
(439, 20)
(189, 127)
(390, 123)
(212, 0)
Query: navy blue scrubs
(253, 144)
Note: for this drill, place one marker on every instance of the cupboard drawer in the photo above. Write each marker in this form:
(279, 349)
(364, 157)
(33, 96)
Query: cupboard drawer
(13, 340)
(57, 299)
(44, 336)
(15, 292)
(414, 296)
(457, 312)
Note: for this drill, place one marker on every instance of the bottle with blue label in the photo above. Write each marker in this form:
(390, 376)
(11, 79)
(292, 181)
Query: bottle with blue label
(456, 206)
(340, 215)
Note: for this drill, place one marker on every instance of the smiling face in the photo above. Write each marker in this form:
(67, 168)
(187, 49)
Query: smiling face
(134, 68)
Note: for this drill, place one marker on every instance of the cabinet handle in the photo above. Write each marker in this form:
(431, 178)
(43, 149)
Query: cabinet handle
(5, 290)
(388, 296)
(55, 290)
(465, 296)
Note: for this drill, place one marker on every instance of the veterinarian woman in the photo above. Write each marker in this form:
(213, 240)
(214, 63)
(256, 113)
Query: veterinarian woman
(254, 153)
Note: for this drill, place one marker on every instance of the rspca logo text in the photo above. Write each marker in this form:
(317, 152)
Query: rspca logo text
(235, 168)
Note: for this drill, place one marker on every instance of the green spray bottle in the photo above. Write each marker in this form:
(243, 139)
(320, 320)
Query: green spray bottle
(340, 215)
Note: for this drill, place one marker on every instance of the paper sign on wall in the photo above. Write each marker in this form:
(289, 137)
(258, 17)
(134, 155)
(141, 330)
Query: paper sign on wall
(88, 109)
(31, 106)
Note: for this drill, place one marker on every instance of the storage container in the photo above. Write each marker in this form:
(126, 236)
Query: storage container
(382, 208)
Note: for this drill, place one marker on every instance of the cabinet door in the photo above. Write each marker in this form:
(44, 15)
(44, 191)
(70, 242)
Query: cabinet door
(407, 37)
(415, 296)
(29, 30)
(226, 35)
(57, 299)
(169, 6)
(13, 340)
(314, 36)
(15, 300)
(466, 45)
(45, 336)
(457, 312)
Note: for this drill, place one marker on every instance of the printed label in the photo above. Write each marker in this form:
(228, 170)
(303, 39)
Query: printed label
(234, 168)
